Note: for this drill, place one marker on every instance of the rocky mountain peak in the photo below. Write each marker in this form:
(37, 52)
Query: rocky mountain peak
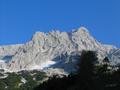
(53, 49)
(38, 35)
(81, 30)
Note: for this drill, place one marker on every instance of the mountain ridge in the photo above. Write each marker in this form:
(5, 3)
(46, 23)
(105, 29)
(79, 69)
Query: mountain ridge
(51, 48)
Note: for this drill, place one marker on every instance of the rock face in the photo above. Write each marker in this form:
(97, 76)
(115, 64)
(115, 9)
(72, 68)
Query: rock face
(9, 50)
(6, 54)
(114, 56)
(58, 49)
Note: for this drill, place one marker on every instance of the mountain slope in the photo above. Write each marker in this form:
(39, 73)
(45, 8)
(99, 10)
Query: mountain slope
(57, 49)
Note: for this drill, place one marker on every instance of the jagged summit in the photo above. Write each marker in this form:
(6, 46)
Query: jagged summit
(37, 34)
(81, 30)
(52, 50)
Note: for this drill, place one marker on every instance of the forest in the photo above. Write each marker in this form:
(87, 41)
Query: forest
(90, 76)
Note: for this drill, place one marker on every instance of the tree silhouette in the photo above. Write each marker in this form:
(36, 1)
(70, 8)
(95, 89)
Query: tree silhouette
(80, 81)
(86, 69)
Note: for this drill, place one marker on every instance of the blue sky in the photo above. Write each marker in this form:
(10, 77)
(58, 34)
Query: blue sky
(20, 19)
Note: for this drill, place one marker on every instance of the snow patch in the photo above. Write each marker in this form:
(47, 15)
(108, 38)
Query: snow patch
(2, 61)
(23, 80)
(43, 65)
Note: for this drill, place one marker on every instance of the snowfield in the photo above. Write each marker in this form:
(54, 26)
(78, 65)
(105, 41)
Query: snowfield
(44, 65)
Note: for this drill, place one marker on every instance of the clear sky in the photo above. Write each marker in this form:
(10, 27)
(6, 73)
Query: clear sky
(20, 19)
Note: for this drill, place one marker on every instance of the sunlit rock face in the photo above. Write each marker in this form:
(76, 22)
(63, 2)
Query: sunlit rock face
(9, 50)
(54, 49)
(114, 57)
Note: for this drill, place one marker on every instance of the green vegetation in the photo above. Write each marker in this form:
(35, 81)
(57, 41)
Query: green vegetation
(90, 76)
(14, 80)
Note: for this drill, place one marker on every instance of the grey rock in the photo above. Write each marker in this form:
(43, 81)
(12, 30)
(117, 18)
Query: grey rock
(52, 48)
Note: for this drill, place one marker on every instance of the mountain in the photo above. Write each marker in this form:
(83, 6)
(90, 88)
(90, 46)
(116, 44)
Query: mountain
(114, 56)
(53, 50)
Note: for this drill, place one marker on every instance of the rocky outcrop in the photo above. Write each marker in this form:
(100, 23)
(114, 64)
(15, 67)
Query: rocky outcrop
(57, 47)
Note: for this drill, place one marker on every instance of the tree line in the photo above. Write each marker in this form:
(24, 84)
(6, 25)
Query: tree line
(90, 76)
